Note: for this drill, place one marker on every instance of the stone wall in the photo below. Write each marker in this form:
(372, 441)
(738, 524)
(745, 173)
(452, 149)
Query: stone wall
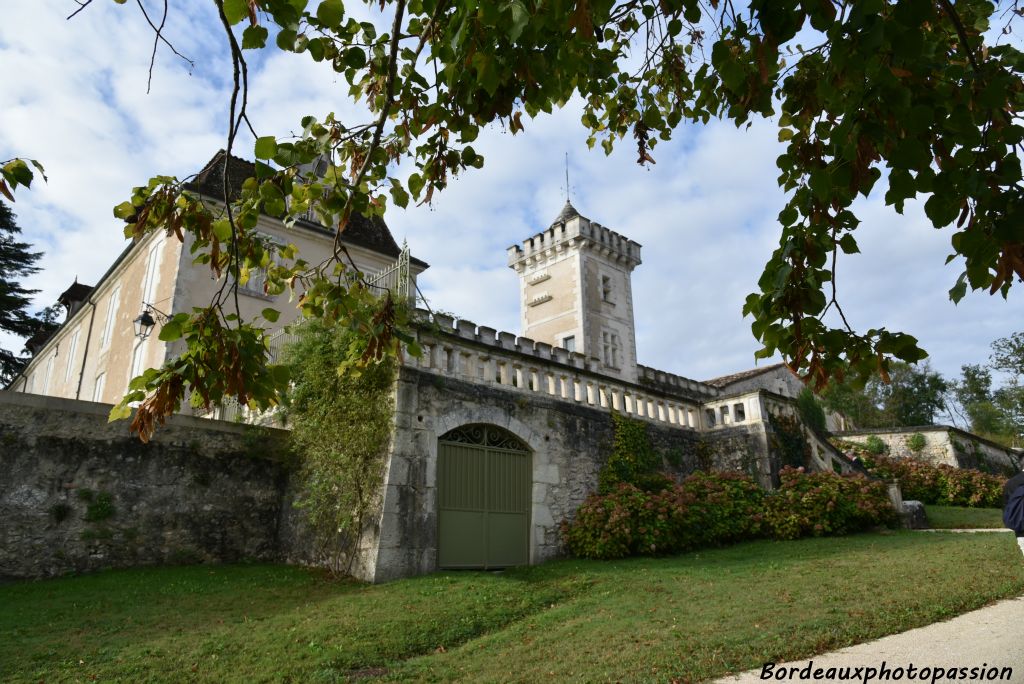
(943, 444)
(569, 442)
(78, 493)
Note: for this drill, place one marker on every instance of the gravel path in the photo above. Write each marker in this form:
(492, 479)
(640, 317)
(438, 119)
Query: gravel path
(992, 636)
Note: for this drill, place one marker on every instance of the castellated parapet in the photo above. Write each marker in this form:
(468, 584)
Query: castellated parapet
(571, 230)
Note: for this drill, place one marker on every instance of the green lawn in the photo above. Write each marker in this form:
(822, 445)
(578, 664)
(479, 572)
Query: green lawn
(693, 616)
(959, 517)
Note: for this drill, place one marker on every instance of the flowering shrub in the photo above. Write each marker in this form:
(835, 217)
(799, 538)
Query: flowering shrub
(821, 504)
(712, 509)
(939, 483)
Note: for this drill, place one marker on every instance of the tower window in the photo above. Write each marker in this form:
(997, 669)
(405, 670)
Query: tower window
(569, 343)
(606, 288)
(610, 349)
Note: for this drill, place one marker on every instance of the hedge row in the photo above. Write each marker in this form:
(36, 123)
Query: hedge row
(939, 484)
(714, 509)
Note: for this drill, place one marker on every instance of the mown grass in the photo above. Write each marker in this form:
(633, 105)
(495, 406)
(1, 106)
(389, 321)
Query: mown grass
(961, 518)
(691, 617)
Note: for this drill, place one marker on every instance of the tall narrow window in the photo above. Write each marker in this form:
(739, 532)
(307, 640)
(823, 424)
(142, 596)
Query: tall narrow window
(49, 373)
(610, 349)
(137, 356)
(606, 288)
(111, 319)
(152, 273)
(97, 389)
(72, 349)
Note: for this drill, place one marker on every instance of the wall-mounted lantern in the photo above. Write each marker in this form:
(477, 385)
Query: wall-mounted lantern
(146, 321)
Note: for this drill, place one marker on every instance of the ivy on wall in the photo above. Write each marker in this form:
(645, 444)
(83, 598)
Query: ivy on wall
(633, 459)
(341, 420)
(787, 440)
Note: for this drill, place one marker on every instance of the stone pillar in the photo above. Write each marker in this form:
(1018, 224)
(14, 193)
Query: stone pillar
(504, 375)
(616, 403)
(517, 374)
(591, 393)
(466, 362)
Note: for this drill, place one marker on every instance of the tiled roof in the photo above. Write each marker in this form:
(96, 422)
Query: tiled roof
(726, 380)
(370, 233)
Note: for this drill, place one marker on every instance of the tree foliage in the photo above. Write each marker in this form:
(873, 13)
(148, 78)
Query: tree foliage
(17, 262)
(905, 98)
(915, 395)
(990, 411)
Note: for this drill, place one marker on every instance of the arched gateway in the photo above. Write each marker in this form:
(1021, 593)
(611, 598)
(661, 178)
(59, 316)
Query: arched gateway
(483, 494)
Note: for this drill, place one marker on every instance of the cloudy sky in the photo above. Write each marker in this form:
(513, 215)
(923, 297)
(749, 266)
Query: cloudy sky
(73, 95)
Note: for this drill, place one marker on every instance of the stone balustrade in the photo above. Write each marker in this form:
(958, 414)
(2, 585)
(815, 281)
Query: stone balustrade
(462, 350)
(735, 410)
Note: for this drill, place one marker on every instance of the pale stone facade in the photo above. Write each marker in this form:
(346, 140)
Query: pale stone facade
(95, 353)
(576, 290)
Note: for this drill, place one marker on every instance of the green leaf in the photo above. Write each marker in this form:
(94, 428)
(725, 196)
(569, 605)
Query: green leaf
(271, 314)
(957, 292)
(399, 195)
(170, 331)
(330, 13)
(124, 210)
(222, 230)
(415, 184)
(266, 147)
(286, 39)
(254, 38)
(236, 10)
(119, 412)
(355, 58)
(848, 244)
(520, 18)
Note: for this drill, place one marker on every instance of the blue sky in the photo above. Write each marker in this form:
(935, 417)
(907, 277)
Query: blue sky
(74, 97)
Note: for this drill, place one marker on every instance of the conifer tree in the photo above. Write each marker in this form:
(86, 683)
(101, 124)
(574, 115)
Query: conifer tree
(17, 261)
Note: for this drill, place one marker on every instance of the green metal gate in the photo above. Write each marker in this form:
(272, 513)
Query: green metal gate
(483, 492)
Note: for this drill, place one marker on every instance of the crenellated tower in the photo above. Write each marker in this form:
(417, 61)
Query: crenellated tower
(576, 291)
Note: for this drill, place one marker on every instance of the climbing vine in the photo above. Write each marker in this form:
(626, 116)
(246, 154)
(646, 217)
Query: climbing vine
(341, 421)
(633, 460)
(788, 441)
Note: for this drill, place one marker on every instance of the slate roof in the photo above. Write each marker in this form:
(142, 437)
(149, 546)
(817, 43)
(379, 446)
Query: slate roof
(727, 380)
(76, 293)
(568, 212)
(371, 233)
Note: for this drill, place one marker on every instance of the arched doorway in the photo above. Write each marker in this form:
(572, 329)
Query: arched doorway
(483, 498)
